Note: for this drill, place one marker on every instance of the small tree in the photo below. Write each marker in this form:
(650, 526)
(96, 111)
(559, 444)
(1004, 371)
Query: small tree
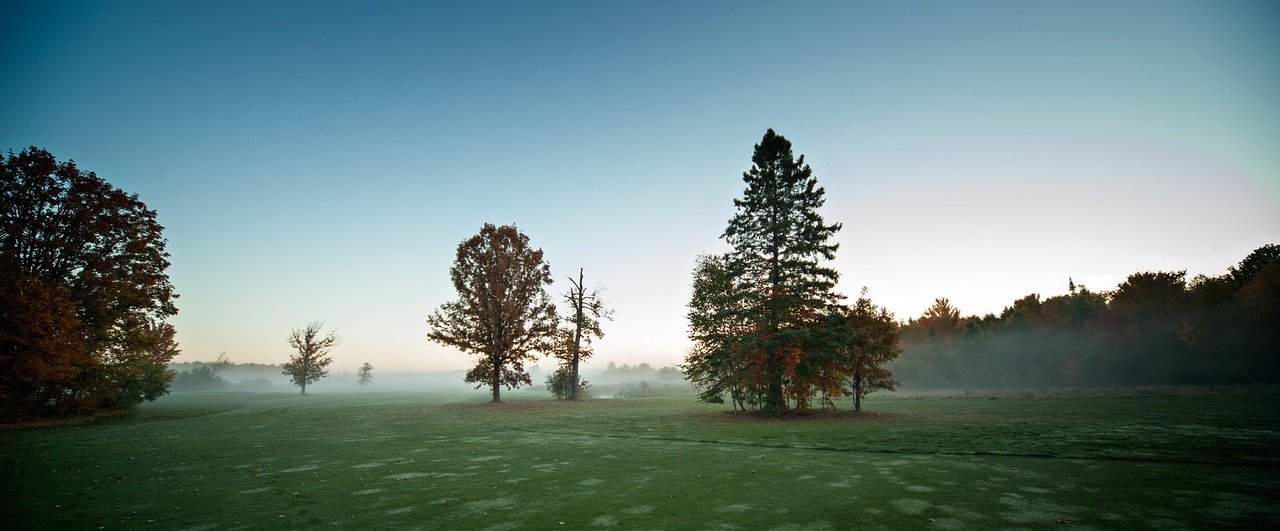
(307, 364)
(871, 344)
(560, 384)
(365, 373)
(503, 313)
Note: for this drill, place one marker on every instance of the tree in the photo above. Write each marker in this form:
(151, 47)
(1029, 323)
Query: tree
(941, 319)
(147, 377)
(83, 273)
(779, 241)
(560, 383)
(574, 343)
(365, 374)
(307, 364)
(871, 344)
(503, 314)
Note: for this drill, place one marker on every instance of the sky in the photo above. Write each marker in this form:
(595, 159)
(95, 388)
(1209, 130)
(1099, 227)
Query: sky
(321, 161)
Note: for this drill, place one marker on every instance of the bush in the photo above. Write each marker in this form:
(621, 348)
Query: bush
(560, 384)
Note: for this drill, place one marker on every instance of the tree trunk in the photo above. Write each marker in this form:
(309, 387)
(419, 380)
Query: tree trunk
(774, 402)
(577, 337)
(857, 393)
(496, 384)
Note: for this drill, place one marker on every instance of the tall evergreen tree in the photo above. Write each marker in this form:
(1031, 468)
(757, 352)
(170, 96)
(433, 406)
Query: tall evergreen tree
(779, 244)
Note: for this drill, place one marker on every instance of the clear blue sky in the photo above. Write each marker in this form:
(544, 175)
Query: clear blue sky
(322, 160)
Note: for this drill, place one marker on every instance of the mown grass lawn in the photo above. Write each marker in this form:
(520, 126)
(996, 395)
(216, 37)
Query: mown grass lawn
(382, 460)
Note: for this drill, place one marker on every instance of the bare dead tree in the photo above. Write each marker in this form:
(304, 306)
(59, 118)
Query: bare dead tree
(587, 311)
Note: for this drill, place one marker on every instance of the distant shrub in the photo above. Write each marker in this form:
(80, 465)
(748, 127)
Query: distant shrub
(643, 388)
(256, 384)
(198, 378)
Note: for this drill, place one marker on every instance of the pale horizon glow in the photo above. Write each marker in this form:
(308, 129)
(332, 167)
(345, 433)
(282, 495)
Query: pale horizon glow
(321, 162)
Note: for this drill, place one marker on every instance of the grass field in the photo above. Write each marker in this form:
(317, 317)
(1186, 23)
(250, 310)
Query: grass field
(406, 461)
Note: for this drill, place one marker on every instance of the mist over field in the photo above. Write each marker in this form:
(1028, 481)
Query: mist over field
(606, 380)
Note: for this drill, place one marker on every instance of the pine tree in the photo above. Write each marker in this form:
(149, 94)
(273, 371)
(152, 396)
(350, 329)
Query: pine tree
(779, 244)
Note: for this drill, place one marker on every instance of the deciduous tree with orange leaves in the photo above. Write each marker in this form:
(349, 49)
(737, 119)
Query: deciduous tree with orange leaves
(84, 291)
(503, 313)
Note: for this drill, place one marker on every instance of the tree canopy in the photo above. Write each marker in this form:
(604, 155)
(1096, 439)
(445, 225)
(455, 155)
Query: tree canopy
(503, 313)
(84, 291)
(311, 355)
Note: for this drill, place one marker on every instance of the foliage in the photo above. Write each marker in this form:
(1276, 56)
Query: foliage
(560, 383)
(83, 291)
(869, 343)
(503, 314)
(311, 355)
(1155, 328)
(714, 364)
(199, 378)
(365, 374)
(222, 374)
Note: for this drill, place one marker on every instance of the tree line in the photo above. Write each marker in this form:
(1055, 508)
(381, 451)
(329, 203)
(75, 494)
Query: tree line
(1155, 328)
